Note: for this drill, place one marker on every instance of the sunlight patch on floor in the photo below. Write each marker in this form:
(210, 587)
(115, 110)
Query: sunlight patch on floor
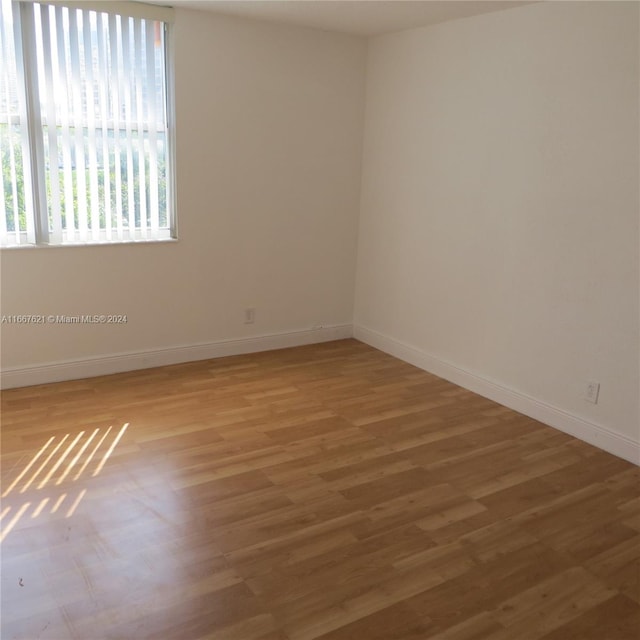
(50, 467)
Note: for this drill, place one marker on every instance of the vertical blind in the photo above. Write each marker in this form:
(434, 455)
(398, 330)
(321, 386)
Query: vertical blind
(15, 226)
(97, 161)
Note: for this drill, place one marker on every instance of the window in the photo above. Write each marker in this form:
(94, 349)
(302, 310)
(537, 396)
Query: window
(85, 133)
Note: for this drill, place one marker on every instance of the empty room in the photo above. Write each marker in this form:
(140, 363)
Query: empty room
(320, 320)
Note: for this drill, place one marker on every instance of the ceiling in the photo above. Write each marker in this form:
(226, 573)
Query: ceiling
(359, 17)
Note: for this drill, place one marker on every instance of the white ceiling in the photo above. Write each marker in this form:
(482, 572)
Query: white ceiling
(360, 17)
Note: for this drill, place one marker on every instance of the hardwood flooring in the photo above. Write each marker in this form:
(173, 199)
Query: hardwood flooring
(328, 492)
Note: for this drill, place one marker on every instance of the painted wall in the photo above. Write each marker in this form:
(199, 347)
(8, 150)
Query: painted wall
(499, 216)
(269, 135)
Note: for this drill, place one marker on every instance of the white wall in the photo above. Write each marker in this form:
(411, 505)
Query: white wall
(499, 219)
(269, 134)
(498, 239)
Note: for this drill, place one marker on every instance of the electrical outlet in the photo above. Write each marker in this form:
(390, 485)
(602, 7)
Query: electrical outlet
(249, 315)
(592, 391)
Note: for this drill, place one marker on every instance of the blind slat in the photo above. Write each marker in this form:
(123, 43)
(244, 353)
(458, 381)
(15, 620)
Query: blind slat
(62, 98)
(151, 119)
(91, 124)
(139, 66)
(127, 81)
(80, 162)
(6, 143)
(103, 67)
(52, 131)
(115, 82)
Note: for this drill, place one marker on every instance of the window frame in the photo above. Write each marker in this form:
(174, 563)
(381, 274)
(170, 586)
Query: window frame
(34, 180)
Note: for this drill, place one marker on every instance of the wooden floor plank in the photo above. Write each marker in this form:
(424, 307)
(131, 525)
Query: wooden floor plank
(323, 492)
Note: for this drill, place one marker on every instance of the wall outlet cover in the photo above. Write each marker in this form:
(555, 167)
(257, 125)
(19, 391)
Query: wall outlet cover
(592, 392)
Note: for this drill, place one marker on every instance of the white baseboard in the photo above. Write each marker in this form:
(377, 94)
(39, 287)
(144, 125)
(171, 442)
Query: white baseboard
(610, 441)
(615, 443)
(105, 365)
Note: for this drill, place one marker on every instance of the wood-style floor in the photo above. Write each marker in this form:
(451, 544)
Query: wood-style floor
(328, 491)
